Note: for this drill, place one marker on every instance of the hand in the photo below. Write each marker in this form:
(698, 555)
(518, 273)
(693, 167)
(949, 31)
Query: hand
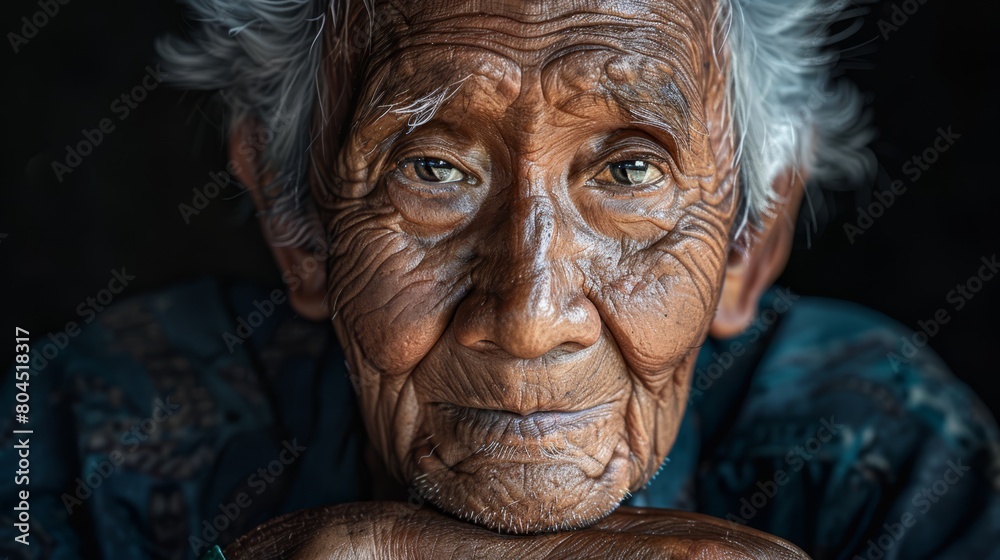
(396, 530)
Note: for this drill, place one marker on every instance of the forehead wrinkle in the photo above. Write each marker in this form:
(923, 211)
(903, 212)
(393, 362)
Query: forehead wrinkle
(539, 11)
(406, 87)
(461, 22)
(663, 107)
(521, 33)
(526, 28)
(518, 52)
(436, 65)
(671, 31)
(530, 34)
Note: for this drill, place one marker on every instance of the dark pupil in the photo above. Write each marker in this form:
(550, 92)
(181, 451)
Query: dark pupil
(434, 170)
(629, 172)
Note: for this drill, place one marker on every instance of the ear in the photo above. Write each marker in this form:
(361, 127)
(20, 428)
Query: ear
(751, 272)
(302, 270)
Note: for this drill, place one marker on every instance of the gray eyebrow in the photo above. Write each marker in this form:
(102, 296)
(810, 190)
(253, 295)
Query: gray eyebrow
(423, 109)
(667, 109)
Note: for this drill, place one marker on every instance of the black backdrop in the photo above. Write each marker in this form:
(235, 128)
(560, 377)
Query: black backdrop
(60, 239)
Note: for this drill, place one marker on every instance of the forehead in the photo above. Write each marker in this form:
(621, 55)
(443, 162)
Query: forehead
(532, 30)
(630, 52)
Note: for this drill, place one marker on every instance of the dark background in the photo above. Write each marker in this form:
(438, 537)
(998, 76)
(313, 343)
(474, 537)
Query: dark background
(119, 207)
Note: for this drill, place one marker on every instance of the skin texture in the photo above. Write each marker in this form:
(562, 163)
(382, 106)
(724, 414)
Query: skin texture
(523, 341)
(389, 530)
(522, 338)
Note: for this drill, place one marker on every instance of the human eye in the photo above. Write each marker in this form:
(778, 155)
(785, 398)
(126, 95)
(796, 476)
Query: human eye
(433, 170)
(434, 195)
(629, 173)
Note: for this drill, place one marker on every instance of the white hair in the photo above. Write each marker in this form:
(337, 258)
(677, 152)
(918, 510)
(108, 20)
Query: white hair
(265, 56)
(787, 113)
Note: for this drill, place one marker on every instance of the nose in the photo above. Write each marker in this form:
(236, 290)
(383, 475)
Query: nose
(528, 300)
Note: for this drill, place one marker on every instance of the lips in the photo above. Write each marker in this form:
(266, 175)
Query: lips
(468, 435)
(504, 425)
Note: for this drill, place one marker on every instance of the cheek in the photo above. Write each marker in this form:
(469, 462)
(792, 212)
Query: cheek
(658, 322)
(390, 297)
(658, 304)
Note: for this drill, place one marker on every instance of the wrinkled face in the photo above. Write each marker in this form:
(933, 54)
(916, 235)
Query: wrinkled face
(530, 228)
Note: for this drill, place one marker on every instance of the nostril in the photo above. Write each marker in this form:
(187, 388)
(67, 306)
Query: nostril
(484, 345)
(564, 350)
(569, 348)
(470, 325)
(527, 312)
(525, 329)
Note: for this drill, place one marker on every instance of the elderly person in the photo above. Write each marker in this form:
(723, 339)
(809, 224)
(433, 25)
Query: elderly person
(545, 235)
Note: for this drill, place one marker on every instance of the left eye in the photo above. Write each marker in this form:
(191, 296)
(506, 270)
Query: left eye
(629, 173)
(431, 170)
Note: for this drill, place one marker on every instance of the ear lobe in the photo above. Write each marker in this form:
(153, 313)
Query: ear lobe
(302, 270)
(751, 272)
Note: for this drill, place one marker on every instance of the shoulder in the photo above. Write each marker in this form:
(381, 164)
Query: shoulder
(857, 414)
(116, 364)
(872, 372)
(131, 331)
(197, 355)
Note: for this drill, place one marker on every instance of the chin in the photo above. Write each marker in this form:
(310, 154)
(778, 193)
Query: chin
(527, 446)
(524, 474)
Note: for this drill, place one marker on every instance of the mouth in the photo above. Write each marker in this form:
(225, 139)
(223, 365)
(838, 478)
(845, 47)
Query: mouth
(547, 428)
(524, 473)
(523, 447)
(466, 440)
(540, 435)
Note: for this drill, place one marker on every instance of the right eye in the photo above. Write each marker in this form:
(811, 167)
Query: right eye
(631, 173)
(433, 195)
(431, 170)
